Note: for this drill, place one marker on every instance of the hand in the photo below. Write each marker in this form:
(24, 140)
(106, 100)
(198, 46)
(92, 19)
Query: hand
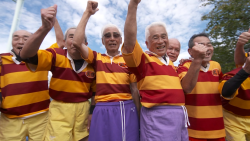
(92, 7)
(199, 51)
(136, 1)
(247, 65)
(244, 38)
(183, 60)
(89, 121)
(48, 16)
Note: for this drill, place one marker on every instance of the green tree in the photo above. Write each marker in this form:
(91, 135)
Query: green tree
(227, 20)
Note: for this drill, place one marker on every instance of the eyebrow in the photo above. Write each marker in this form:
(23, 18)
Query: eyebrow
(71, 34)
(20, 36)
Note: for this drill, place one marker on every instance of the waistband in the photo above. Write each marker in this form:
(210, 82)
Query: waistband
(113, 103)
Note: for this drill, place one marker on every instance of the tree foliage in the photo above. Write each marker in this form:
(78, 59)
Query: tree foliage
(227, 20)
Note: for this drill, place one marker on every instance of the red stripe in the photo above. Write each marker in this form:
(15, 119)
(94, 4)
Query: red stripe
(110, 68)
(23, 88)
(181, 69)
(5, 54)
(244, 94)
(162, 96)
(154, 69)
(69, 74)
(203, 99)
(59, 51)
(207, 77)
(11, 68)
(27, 108)
(69, 97)
(235, 110)
(104, 89)
(206, 124)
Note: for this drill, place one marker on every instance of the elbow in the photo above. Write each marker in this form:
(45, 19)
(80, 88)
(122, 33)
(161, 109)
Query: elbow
(187, 90)
(76, 44)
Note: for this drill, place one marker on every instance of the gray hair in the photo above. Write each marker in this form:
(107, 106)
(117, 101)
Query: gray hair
(66, 32)
(147, 33)
(110, 25)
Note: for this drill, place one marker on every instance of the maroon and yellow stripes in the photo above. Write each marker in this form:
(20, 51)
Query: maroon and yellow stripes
(66, 85)
(24, 93)
(114, 78)
(203, 103)
(239, 103)
(158, 83)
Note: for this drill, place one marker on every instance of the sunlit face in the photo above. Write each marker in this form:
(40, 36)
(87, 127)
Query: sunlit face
(173, 50)
(158, 40)
(18, 39)
(111, 39)
(206, 42)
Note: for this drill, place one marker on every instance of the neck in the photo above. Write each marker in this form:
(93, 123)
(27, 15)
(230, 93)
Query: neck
(75, 56)
(204, 64)
(113, 53)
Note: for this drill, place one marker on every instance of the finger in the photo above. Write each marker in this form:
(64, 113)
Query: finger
(196, 43)
(97, 9)
(249, 30)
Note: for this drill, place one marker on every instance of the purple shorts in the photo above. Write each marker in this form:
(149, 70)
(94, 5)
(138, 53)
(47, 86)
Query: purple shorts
(114, 121)
(163, 123)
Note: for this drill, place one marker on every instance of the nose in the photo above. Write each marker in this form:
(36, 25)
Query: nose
(160, 40)
(21, 41)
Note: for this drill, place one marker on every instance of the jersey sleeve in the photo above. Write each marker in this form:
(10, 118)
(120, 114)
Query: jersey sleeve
(221, 85)
(132, 78)
(182, 70)
(55, 45)
(135, 60)
(91, 57)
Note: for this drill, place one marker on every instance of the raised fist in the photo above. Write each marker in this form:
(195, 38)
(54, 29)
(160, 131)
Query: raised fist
(136, 1)
(48, 16)
(199, 51)
(244, 38)
(92, 7)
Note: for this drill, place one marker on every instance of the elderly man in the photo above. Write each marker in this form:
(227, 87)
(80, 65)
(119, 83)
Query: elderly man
(200, 80)
(115, 116)
(235, 89)
(71, 85)
(25, 96)
(173, 50)
(162, 114)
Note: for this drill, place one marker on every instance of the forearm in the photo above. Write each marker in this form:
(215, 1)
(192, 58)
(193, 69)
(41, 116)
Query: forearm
(231, 85)
(135, 96)
(189, 81)
(130, 28)
(32, 45)
(239, 55)
(80, 35)
(59, 34)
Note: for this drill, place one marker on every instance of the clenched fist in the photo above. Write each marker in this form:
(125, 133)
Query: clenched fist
(48, 16)
(199, 51)
(244, 38)
(92, 7)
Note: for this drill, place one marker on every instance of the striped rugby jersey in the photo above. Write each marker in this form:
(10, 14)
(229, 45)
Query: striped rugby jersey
(157, 82)
(24, 93)
(204, 102)
(67, 84)
(113, 77)
(239, 103)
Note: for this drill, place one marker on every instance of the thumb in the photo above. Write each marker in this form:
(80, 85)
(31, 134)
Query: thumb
(97, 9)
(55, 6)
(196, 43)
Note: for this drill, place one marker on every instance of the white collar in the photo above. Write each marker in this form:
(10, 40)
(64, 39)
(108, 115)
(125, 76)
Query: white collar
(73, 64)
(119, 53)
(205, 69)
(14, 58)
(159, 57)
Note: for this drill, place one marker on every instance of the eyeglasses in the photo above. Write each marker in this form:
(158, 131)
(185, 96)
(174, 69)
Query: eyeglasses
(109, 35)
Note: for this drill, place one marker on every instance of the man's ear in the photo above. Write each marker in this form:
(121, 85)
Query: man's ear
(102, 41)
(190, 51)
(146, 42)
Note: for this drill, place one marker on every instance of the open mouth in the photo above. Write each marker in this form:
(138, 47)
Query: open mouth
(208, 54)
(160, 47)
(19, 48)
(112, 44)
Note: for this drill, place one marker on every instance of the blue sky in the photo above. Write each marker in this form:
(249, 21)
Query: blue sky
(182, 17)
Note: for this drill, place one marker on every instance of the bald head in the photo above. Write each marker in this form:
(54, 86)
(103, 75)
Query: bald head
(19, 37)
(173, 50)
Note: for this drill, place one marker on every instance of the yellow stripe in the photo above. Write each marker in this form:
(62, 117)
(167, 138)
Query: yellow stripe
(133, 59)
(7, 60)
(25, 115)
(204, 111)
(246, 84)
(112, 78)
(181, 75)
(62, 61)
(69, 86)
(90, 56)
(109, 97)
(25, 99)
(148, 82)
(149, 105)
(240, 103)
(207, 134)
(13, 78)
(206, 88)
(44, 60)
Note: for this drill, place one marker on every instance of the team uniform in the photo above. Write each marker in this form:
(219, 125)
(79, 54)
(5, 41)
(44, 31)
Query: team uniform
(236, 109)
(70, 89)
(204, 104)
(162, 114)
(115, 116)
(25, 101)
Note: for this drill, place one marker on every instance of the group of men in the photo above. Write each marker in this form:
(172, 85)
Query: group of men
(173, 103)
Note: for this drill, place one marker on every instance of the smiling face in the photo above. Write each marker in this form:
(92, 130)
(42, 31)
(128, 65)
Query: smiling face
(158, 40)
(173, 50)
(18, 39)
(206, 42)
(111, 39)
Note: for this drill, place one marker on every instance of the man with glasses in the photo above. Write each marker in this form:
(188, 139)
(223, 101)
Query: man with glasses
(200, 80)
(115, 115)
